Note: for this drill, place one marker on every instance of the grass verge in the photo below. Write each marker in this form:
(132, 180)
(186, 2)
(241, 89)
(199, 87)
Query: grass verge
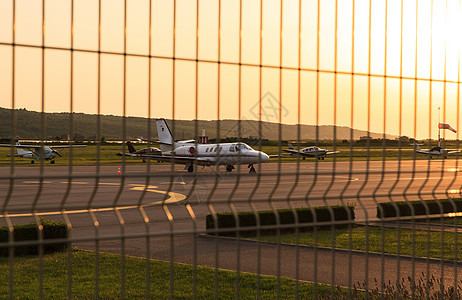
(222, 284)
(377, 239)
(55, 279)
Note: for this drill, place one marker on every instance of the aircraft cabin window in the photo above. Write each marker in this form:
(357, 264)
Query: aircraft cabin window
(231, 148)
(215, 149)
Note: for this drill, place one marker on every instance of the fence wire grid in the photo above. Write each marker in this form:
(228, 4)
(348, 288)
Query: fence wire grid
(314, 149)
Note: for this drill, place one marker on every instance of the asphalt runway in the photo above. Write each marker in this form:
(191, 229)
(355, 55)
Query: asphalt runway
(169, 205)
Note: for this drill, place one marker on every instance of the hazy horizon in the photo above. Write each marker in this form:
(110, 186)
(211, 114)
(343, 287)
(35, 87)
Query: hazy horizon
(376, 86)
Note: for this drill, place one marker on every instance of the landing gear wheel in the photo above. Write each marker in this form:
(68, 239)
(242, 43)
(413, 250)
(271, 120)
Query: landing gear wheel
(252, 169)
(52, 162)
(304, 157)
(322, 158)
(144, 160)
(190, 168)
(229, 168)
(32, 162)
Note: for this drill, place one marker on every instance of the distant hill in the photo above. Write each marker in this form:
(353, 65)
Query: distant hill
(28, 125)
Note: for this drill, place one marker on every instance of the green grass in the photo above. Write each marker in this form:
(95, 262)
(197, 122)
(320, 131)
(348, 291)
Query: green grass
(443, 221)
(88, 156)
(409, 244)
(55, 276)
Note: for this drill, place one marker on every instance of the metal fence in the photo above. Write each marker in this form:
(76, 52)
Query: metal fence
(374, 217)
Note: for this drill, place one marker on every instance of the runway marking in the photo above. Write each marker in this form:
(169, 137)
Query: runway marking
(169, 182)
(34, 182)
(109, 183)
(173, 198)
(456, 191)
(74, 182)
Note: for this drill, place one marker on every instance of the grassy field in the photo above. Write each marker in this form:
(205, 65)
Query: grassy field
(107, 156)
(377, 239)
(55, 284)
(208, 281)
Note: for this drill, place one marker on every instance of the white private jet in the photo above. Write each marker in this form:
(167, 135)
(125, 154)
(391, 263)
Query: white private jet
(37, 152)
(312, 151)
(189, 154)
(437, 151)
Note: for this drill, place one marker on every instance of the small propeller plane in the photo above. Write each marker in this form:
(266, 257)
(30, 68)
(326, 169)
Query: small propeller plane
(142, 153)
(312, 151)
(437, 151)
(190, 153)
(37, 152)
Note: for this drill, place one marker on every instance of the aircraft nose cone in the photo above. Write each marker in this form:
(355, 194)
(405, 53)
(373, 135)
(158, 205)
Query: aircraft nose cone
(264, 157)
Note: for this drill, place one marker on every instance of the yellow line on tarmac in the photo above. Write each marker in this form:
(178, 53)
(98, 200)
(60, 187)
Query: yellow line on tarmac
(173, 198)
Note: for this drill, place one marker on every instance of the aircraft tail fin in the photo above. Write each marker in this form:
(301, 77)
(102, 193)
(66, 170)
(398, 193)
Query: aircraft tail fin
(21, 151)
(165, 135)
(416, 147)
(290, 146)
(131, 149)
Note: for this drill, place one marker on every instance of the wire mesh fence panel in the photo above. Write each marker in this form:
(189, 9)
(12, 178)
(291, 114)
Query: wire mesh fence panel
(230, 149)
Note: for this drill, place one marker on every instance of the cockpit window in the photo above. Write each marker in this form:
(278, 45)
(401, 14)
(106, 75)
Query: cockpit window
(242, 147)
(231, 148)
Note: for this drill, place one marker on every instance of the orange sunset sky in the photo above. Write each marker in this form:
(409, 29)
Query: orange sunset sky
(436, 42)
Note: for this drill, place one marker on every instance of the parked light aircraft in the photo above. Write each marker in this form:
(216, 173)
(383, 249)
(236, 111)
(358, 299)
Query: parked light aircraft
(189, 154)
(142, 153)
(37, 152)
(437, 151)
(312, 151)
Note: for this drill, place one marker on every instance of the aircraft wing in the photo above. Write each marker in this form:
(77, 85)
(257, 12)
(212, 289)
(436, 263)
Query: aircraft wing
(176, 159)
(131, 155)
(422, 151)
(332, 152)
(296, 152)
(22, 146)
(454, 151)
(68, 146)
